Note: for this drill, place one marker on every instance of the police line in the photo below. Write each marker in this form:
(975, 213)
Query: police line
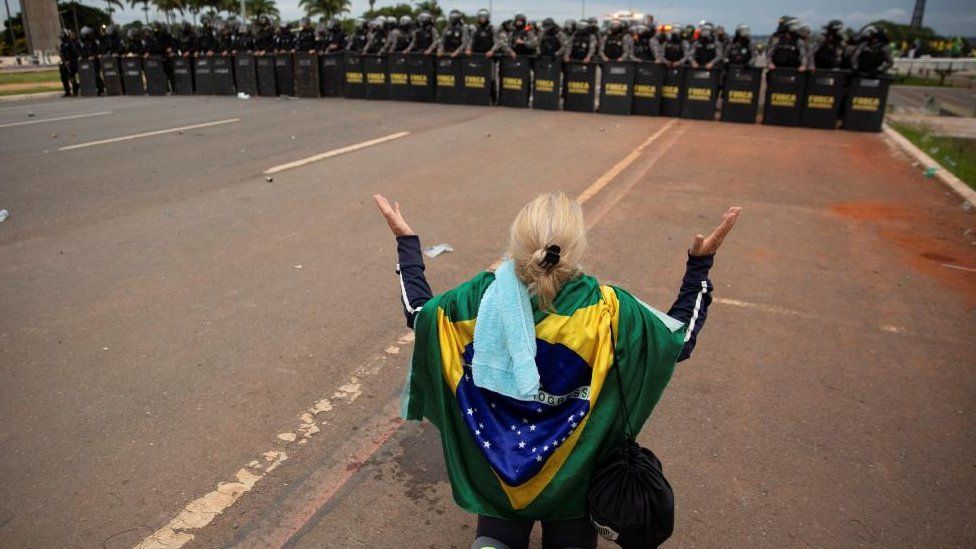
(820, 99)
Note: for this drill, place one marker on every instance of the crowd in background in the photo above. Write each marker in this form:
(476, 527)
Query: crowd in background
(709, 46)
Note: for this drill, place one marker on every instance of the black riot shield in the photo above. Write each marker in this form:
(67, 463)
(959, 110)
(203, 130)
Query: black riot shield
(399, 67)
(377, 77)
(740, 100)
(183, 76)
(479, 76)
(700, 94)
(87, 78)
(548, 83)
(865, 105)
(223, 76)
(420, 71)
(284, 66)
(132, 76)
(617, 87)
(354, 86)
(580, 81)
(245, 74)
(784, 97)
(307, 75)
(648, 78)
(156, 81)
(449, 75)
(672, 91)
(330, 74)
(515, 77)
(203, 75)
(823, 97)
(264, 68)
(111, 75)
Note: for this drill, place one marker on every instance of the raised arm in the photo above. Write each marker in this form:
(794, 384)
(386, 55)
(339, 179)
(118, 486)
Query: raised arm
(414, 289)
(695, 295)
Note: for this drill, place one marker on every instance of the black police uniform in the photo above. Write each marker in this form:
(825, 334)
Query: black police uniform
(483, 38)
(69, 66)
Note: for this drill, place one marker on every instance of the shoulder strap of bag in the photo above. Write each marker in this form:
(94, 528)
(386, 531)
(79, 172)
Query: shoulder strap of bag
(629, 431)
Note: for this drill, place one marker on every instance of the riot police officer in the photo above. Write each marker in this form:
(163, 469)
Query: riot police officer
(284, 40)
(741, 51)
(206, 38)
(482, 39)
(523, 39)
(400, 37)
(676, 50)
(645, 46)
(335, 38)
(582, 45)
(424, 37)
(616, 44)
(68, 67)
(264, 37)
(376, 39)
(706, 51)
(112, 43)
(551, 39)
(722, 37)
(88, 48)
(788, 50)
(359, 36)
(829, 52)
(455, 36)
(305, 41)
(873, 55)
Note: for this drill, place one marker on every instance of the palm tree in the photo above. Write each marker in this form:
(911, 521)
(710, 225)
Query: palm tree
(261, 7)
(145, 7)
(232, 7)
(195, 7)
(432, 7)
(324, 8)
(168, 7)
(110, 9)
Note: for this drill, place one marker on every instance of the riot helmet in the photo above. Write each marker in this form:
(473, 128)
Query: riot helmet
(616, 26)
(743, 31)
(406, 22)
(520, 20)
(569, 26)
(87, 33)
(455, 17)
(483, 17)
(425, 18)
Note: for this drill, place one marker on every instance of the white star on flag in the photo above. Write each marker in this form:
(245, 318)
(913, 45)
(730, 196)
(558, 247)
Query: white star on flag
(519, 433)
(492, 404)
(574, 425)
(555, 443)
(481, 425)
(533, 448)
(545, 448)
(522, 444)
(571, 416)
(470, 411)
(513, 427)
(532, 427)
(467, 377)
(477, 432)
(525, 420)
(487, 444)
(538, 458)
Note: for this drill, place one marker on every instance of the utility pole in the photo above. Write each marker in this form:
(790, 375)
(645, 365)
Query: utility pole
(917, 14)
(243, 14)
(10, 26)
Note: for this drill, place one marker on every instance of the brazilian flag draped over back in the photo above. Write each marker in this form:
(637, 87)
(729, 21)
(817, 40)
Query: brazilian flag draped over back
(533, 459)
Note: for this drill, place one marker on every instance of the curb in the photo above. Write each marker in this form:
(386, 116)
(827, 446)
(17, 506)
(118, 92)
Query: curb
(942, 174)
(25, 96)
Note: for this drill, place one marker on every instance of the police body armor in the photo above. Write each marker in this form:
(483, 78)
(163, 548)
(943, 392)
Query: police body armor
(377, 44)
(674, 51)
(264, 40)
(402, 41)
(549, 44)
(581, 45)
(787, 52)
(642, 47)
(207, 41)
(613, 46)
(423, 38)
(740, 53)
(305, 40)
(88, 48)
(452, 38)
(521, 49)
(828, 55)
(112, 45)
(482, 39)
(704, 52)
(870, 59)
(358, 42)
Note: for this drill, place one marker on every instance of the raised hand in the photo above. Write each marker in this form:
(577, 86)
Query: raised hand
(393, 216)
(709, 245)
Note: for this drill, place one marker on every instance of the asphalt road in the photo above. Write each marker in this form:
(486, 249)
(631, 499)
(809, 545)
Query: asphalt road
(181, 336)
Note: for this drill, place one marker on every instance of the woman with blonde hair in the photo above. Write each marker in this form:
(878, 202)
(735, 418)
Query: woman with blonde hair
(514, 369)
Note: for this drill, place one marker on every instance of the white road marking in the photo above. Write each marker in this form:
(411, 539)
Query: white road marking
(335, 152)
(149, 134)
(960, 267)
(55, 119)
(613, 172)
(790, 312)
(201, 511)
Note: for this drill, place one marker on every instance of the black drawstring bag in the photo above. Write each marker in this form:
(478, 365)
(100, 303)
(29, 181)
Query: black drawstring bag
(629, 500)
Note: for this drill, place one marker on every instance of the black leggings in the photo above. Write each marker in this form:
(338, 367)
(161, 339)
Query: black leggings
(556, 534)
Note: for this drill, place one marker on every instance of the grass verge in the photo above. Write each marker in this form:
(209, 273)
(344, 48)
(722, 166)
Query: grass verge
(29, 77)
(956, 154)
(33, 89)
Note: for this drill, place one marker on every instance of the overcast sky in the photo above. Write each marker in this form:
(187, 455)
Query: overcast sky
(950, 17)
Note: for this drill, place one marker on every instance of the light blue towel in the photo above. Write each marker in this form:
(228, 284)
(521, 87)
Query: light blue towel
(504, 338)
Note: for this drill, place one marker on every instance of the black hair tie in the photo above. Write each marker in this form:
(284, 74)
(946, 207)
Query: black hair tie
(552, 257)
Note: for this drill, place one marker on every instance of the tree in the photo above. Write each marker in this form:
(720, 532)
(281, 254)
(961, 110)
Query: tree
(261, 7)
(326, 9)
(145, 7)
(397, 11)
(76, 16)
(167, 7)
(432, 7)
(110, 7)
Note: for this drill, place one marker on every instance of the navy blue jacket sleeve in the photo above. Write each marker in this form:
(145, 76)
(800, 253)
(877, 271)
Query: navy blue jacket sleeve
(691, 305)
(414, 290)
